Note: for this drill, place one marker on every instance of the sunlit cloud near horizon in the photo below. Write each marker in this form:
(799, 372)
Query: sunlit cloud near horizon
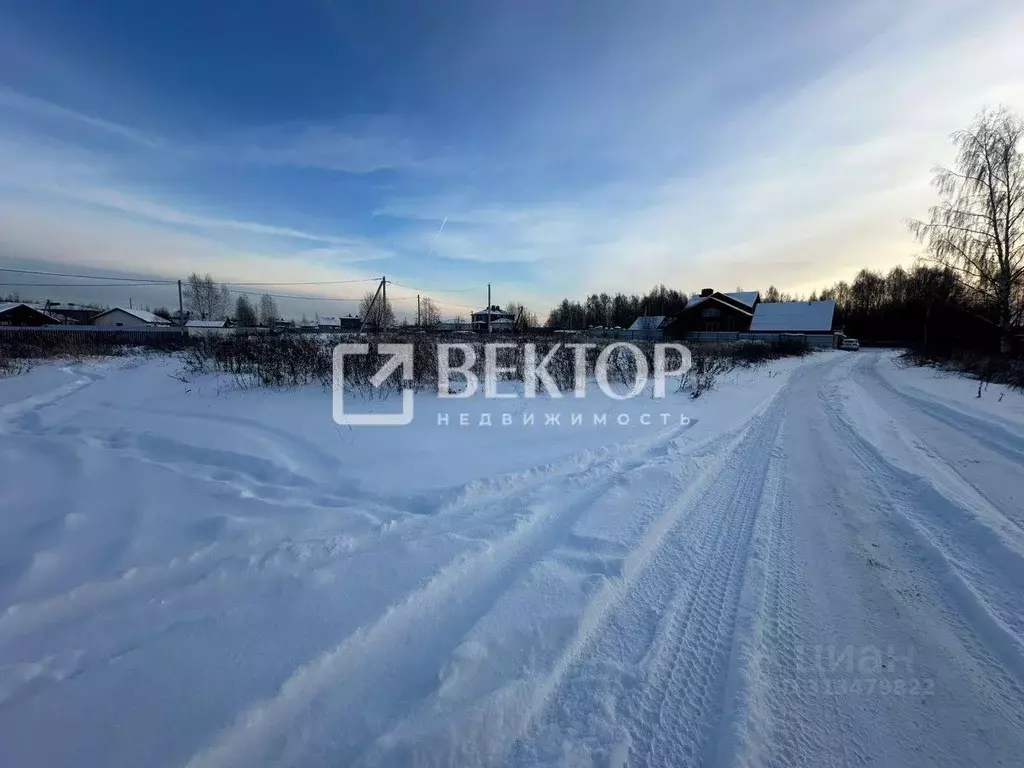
(566, 149)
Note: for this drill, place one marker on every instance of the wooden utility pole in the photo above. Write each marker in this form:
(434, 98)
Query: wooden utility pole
(369, 309)
(417, 310)
(488, 307)
(384, 301)
(181, 310)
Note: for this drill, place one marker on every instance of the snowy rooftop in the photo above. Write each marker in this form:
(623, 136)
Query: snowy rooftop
(206, 323)
(798, 316)
(650, 323)
(698, 300)
(748, 298)
(744, 297)
(143, 315)
(4, 307)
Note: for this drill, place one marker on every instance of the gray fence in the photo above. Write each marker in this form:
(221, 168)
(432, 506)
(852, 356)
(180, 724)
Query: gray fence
(650, 334)
(91, 335)
(817, 340)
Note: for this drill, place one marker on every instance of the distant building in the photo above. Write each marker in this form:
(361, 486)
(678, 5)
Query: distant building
(208, 327)
(122, 317)
(648, 327)
(71, 313)
(713, 311)
(24, 315)
(335, 323)
(499, 319)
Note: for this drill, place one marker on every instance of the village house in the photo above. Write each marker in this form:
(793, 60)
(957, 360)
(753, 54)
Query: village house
(122, 317)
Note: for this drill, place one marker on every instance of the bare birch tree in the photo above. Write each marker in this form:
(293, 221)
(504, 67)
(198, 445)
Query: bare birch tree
(203, 297)
(268, 310)
(378, 314)
(430, 313)
(977, 229)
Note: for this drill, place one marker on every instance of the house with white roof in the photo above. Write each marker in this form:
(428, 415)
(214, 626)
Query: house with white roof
(125, 317)
(208, 327)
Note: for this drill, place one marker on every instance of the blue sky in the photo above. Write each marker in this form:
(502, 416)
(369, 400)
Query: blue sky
(572, 147)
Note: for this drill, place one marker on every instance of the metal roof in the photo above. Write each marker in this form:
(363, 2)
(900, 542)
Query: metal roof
(795, 316)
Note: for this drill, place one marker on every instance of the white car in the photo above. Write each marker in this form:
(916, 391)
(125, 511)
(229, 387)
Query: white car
(851, 344)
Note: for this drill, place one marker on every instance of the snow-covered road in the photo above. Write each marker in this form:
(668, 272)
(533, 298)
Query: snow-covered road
(825, 567)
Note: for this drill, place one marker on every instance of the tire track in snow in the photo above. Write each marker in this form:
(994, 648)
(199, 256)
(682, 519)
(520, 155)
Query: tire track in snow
(996, 437)
(1004, 505)
(924, 513)
(375, 666)
(689, 669)
(982, 539)
(692, 566)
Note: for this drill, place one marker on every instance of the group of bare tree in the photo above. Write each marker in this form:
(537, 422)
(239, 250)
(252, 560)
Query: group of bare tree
(376, 311)
(525, 318)
(204, 299)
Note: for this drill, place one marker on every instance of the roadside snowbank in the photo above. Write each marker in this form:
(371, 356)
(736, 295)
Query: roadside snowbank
(998, 403)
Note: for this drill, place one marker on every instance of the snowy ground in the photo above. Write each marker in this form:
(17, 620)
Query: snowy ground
(825, 566)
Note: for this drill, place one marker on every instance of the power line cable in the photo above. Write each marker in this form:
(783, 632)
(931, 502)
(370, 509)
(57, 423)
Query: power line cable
(148, 281)
(82, 285)
(434, 290)
(291, 296)
(439, 301)
(315, 282)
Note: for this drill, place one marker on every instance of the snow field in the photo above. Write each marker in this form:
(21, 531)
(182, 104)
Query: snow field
(822, 567)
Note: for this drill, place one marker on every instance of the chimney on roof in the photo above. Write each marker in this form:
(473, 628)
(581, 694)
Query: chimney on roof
(706, 292)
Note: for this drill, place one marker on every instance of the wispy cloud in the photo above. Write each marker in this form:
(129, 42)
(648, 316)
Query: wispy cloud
(353, 145)
(36, 108)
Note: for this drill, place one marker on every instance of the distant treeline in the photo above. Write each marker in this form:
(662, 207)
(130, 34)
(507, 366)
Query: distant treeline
(925, 305)
(620, 310)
